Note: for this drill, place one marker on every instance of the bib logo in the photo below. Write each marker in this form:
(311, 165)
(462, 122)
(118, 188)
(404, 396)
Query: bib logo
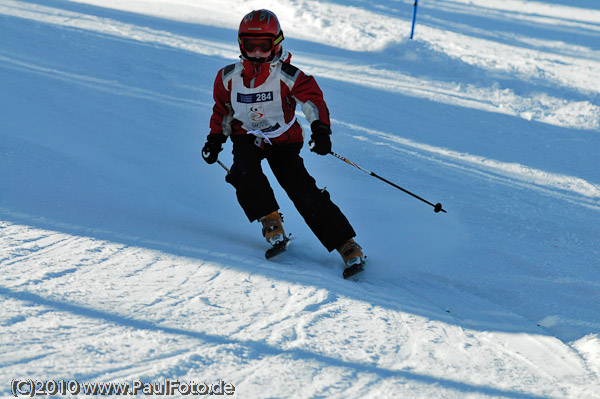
(257, 116)
(256, 113)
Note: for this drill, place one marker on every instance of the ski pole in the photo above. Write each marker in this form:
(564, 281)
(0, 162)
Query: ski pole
(223, 166)
(436, 208)
(412, 30)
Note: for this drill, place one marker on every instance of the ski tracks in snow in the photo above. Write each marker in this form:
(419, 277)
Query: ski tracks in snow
(243, 323)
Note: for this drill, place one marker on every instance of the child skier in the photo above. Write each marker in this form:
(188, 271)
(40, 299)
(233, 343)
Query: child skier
(255, 101)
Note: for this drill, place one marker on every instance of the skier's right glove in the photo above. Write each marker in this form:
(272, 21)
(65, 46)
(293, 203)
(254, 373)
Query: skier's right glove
(320, 142)
(212, 148)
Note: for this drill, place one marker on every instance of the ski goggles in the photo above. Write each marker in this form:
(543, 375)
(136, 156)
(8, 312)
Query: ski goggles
(265, 44)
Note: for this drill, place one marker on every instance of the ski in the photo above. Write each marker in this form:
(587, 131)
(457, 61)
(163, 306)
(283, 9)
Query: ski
(278, 248)
(354, 269)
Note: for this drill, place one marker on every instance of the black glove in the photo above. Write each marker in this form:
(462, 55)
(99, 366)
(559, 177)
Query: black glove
(212, 148)
(320, 142)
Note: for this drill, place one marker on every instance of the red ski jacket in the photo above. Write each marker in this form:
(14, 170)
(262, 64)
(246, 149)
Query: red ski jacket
(295, 87)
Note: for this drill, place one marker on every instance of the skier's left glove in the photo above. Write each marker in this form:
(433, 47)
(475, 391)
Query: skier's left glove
(320, 141)
(212, 148)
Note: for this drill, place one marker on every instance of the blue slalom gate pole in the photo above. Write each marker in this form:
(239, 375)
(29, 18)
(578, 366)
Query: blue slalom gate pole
(412, 31)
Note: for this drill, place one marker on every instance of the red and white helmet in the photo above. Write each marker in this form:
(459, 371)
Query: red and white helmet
(260, 36)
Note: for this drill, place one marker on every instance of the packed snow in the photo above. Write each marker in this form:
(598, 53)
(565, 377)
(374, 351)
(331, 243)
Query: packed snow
(125, 258)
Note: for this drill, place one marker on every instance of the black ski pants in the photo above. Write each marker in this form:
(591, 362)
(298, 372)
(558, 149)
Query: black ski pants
(255, 195)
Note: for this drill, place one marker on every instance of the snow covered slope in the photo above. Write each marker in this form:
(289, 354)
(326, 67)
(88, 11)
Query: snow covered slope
(124, 257)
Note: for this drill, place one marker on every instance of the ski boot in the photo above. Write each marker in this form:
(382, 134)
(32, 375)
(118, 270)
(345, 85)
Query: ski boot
(272, 228)
(353, 257)
(273, 232)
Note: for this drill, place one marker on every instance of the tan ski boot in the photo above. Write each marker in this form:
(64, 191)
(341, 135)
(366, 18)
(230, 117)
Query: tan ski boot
(351, 253)
(272, 228)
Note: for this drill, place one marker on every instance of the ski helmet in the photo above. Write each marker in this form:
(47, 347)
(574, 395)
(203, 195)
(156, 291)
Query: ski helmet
(260, 36)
